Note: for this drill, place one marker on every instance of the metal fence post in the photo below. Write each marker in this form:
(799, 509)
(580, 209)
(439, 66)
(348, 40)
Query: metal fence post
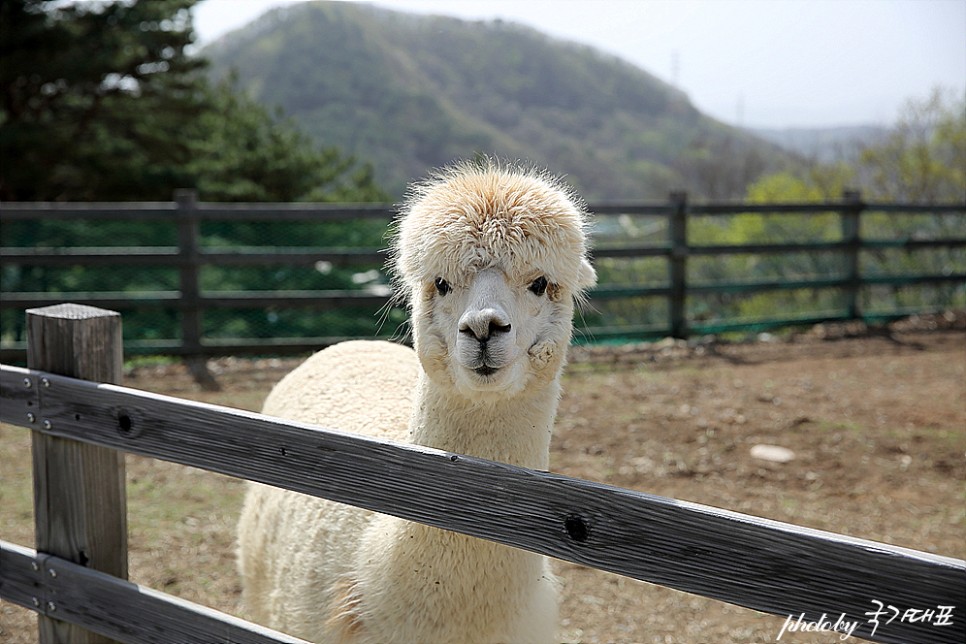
(189, 249)
(80, 502)
(678, 264)
(190, 289)
(852, 240)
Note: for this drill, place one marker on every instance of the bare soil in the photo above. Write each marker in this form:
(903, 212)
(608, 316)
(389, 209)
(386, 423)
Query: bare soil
(876, 419)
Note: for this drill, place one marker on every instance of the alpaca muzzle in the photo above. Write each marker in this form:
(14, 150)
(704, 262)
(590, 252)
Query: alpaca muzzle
(486, 335)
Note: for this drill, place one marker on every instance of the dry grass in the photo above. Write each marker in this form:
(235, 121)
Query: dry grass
(878, 426)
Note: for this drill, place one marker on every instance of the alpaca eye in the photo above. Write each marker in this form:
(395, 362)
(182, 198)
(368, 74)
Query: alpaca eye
(442, 286)
(539, 286)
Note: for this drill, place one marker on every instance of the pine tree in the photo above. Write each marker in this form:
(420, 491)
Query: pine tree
(105, 101)
(95, 97)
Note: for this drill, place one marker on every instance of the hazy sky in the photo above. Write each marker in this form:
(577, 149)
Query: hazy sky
(758, 63)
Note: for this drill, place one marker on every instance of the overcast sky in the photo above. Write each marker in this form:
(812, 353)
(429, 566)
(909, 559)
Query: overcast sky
(755, 63)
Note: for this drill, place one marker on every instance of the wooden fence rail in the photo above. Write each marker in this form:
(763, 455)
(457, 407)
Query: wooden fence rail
(190, 256)
(769, 566)
(71, 595)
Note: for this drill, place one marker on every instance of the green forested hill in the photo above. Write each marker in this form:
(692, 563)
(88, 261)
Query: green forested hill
(408, 92)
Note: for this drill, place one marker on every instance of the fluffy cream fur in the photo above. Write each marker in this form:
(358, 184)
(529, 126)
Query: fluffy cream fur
(490, 261)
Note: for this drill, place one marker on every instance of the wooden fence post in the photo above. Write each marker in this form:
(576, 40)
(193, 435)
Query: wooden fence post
(80, 502)
(852, 238)
(678, 264)
(189, 248)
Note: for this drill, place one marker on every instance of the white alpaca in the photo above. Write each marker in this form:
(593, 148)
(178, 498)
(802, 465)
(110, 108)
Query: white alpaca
(490, 260)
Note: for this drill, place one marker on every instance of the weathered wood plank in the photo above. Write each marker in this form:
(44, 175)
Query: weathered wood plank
(115, 608)
(80, 510)
(18, 393)
(766, 565)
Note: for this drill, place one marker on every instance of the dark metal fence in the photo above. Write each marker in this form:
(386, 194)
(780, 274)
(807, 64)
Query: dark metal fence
(666, 269)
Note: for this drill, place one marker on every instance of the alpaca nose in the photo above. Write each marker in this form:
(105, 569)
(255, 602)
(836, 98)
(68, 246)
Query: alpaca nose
(484, 324)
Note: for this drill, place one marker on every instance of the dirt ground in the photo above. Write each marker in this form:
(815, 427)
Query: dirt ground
(876, 419)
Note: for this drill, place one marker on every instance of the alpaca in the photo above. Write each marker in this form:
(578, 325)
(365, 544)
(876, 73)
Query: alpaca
(490, 260)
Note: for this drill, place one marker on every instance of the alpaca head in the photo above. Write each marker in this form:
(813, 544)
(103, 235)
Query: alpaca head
(491, 260)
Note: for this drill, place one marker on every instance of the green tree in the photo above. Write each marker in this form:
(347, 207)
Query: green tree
(923, 159)
(817, 185)
(102, 101)
(243, 152)
(93, 97)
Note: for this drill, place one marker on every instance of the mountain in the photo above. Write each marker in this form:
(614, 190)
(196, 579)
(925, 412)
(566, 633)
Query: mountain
(408, 93)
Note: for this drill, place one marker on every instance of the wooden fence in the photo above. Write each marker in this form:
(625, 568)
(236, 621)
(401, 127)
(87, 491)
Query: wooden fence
(76, 579)
(677, 249)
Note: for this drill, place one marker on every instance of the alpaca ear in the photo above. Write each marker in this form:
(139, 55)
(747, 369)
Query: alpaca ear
(586, 275)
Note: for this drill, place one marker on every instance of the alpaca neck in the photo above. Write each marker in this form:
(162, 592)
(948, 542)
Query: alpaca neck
(512, 430)
(441, 572)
